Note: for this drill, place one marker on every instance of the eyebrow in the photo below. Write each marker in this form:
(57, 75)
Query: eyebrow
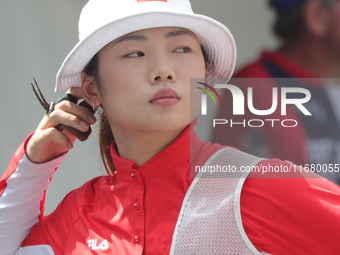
(131, 37)
(177, 33)
(145, 38)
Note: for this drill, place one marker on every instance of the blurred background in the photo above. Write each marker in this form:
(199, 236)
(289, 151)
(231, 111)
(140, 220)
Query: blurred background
(37, 35)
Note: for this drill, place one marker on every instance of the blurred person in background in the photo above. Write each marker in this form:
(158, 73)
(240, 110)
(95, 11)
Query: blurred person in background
(309, 31)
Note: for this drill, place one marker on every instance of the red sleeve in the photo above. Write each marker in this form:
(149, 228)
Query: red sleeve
(291, 215)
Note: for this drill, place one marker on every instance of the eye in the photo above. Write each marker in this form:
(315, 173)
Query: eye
(182, 50)
(135, 54)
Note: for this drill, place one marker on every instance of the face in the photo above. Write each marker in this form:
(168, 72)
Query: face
(333, 28)
(144, 79)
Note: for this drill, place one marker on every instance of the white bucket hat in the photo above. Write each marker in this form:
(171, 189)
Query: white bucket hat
(102, 21)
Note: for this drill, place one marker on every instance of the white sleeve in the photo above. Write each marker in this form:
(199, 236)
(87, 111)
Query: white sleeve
(20, 201)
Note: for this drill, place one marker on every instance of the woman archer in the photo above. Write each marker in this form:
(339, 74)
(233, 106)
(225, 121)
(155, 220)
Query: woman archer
(135, 60)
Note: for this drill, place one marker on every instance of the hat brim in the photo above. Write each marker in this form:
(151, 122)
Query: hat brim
(214, 37)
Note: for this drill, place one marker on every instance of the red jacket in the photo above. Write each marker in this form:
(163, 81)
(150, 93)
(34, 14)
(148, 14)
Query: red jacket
(135, 210)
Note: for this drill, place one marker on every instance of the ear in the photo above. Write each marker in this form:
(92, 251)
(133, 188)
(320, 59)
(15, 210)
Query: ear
(90, 92)
(315, 15)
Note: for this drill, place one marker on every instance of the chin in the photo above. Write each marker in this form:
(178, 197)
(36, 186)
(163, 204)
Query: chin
(169, 127)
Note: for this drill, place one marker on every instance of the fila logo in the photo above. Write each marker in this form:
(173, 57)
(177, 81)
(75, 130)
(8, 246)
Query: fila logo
(141, 1)
(92, 243)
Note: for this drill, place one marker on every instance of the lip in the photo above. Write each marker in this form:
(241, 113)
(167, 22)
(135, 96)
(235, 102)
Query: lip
(165, 97)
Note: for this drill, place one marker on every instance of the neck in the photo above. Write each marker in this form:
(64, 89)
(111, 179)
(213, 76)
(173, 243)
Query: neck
(315, 56)
(140, 148)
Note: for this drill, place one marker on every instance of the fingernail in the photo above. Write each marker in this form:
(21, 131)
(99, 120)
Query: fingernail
(84, 124)
(70, 145)
(92, 119)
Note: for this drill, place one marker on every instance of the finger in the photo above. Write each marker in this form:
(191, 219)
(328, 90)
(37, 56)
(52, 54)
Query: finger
(77, 110)
(69, 135)
(59, 138)
(82, 136)
(61, 117)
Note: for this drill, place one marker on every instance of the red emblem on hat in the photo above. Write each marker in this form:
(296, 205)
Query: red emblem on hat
(141, 1)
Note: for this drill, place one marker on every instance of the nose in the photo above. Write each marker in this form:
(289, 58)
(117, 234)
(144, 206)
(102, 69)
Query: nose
(162, 71)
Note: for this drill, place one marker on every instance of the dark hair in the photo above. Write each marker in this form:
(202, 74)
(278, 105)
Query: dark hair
(105, 133)
(289, 25)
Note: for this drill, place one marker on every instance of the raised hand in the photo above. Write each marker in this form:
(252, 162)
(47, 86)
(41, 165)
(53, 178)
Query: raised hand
(48, 143)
